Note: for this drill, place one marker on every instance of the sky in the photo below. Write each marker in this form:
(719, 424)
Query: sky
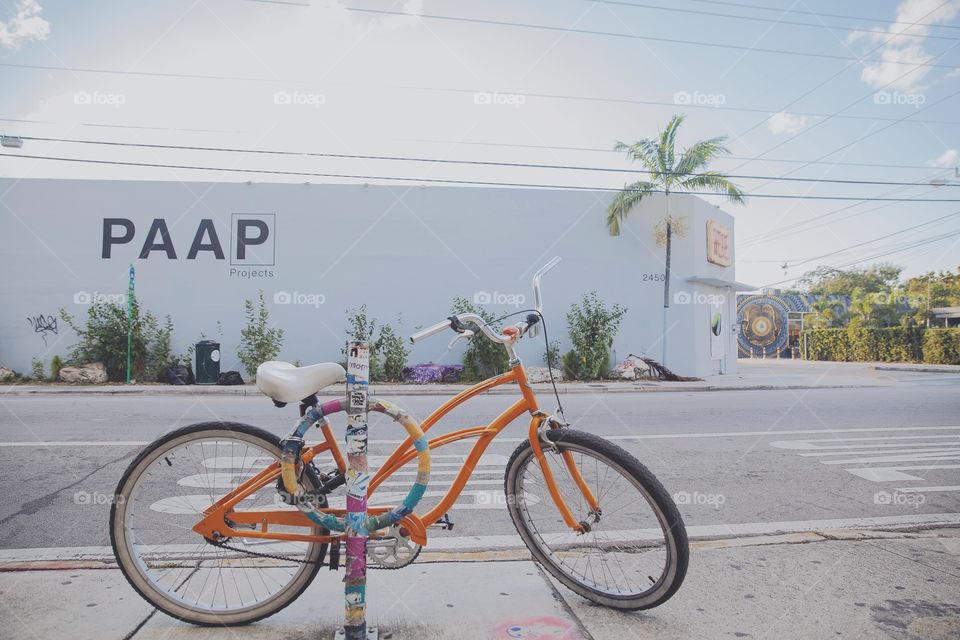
(817, 90)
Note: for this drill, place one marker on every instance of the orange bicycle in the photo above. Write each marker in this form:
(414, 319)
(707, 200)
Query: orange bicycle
(221, 523)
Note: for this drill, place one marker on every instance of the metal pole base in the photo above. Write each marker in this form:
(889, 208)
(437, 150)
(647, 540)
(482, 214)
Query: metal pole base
(372, 633)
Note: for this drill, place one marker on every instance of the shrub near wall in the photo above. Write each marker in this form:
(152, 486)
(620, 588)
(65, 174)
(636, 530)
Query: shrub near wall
(889, 344)
(942, 346)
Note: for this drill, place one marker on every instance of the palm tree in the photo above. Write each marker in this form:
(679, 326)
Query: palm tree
(669, 172)
(826, 311)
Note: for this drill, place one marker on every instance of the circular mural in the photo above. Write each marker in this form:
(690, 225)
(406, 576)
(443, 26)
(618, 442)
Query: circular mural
(764, 324)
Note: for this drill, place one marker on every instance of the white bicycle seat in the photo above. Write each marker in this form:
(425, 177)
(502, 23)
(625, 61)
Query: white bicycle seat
(284, 382)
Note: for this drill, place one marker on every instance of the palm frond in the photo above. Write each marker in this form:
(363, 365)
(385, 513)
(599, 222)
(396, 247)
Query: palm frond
(715, 181)
(642, 151)
(631, 195)
(668, 141)
(700, 154)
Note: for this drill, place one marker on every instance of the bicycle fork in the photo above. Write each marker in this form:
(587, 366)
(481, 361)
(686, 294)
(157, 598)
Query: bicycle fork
(537, 437)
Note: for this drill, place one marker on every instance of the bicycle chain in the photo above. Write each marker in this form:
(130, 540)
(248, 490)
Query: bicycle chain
(272, 556)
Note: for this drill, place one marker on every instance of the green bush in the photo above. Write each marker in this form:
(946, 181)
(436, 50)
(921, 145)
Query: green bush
(887, 344)
(592, 327)
(36, 367)
(56, 363)
(941, 346)
(482, 358)
(161, 352)
(259, 342)
(394, 352)
(104, 338)
(551, 357)
(388, 352)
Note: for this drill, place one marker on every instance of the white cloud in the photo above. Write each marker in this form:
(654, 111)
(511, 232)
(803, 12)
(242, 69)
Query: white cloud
(784, 122)
(905, 44)
(948, 159)
(26, 25)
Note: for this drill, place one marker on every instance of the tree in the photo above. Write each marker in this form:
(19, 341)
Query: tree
(669, 172)
(826, 312)
(259, 342)
(830, 281)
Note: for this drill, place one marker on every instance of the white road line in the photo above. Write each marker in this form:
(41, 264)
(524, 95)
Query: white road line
(955, 487)
(650, 436)
(902, 450)
(809, 444)
(876, 445)
(929, 466)
(906, 458)
(882, 474)
(441, 542)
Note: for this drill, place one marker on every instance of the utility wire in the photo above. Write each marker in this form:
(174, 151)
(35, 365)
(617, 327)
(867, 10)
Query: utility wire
(716, 14)
(632, 36)
(796, 263)
(487, 163)
(446, 180)
(818, 14)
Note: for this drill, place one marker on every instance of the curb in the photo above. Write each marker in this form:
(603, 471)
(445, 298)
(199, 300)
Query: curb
(919, 369)
(412, 390)
(705, 543)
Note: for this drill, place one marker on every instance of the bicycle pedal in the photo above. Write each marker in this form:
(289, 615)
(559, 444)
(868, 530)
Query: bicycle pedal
(444, 523)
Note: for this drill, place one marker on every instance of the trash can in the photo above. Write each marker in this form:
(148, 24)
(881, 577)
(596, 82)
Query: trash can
(208, 362)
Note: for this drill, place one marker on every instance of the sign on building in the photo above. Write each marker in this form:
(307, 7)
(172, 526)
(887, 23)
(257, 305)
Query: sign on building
(718, 244)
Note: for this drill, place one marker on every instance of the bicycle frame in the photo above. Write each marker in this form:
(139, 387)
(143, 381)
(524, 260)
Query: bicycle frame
(221, 520)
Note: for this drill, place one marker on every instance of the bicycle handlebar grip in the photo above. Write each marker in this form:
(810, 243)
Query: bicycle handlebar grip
(430, 331)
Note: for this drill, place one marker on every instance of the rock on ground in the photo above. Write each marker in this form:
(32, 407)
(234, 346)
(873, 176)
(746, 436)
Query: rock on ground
(94, 372)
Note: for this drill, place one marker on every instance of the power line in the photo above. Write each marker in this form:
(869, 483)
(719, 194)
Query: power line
(911, 245)
(797, 263)
(632, 36)
(822, 15)
(487, 163)
(778, 21)
(727, 157)
(446, 180)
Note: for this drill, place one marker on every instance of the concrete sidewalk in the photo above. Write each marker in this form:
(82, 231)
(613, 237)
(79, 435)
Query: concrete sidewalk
(753, 375)
(840, 583)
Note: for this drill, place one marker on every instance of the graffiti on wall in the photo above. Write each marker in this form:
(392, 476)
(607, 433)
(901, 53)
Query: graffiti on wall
(44, 325)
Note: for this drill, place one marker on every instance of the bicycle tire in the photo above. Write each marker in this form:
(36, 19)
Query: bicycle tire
(675, 536)
(141, 583)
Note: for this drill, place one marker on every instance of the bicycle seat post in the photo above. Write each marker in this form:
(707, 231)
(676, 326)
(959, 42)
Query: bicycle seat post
(358, 478)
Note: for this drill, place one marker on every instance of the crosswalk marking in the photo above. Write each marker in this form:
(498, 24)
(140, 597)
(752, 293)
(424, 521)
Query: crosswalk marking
(885, 458)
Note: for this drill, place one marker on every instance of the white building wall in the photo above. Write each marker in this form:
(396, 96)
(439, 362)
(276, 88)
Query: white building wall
(405, 252)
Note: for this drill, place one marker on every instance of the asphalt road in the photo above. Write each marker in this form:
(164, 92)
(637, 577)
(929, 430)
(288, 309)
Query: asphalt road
(730, 458)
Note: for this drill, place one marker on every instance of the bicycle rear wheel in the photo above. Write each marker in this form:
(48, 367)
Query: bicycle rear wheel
(162, 496)
(634, 555)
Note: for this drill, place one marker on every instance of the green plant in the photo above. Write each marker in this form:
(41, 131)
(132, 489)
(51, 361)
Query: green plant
(392, 348)
(360, 328)
(592, 327)
(941, 346)
(104, 338)
(551, 356)
(482, 358)
(37, 369)
(161, 352)
(259, 342)
(669, 172)
(56, 363)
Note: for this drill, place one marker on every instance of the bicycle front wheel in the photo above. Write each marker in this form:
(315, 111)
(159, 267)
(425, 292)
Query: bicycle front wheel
(164, 493)
(634, 554)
